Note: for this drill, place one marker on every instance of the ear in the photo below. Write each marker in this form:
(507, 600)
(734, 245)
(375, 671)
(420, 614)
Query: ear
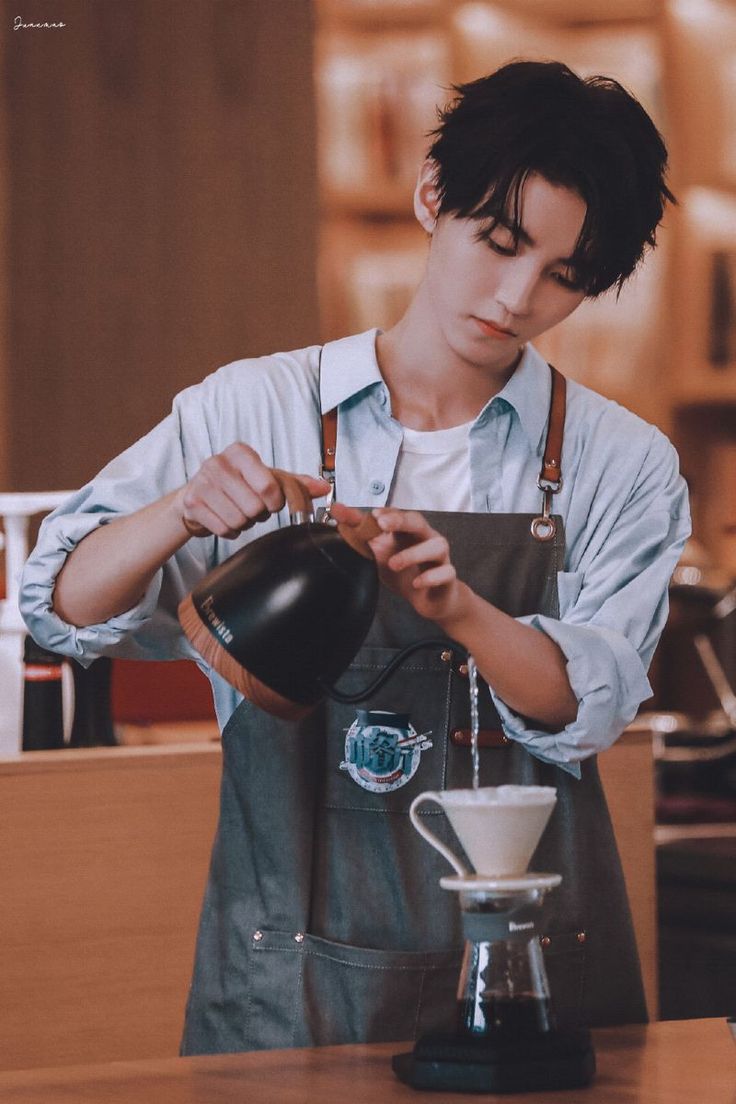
(426, 196)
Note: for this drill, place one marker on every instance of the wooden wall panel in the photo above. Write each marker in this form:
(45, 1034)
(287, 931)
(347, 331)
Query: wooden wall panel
(162, 213)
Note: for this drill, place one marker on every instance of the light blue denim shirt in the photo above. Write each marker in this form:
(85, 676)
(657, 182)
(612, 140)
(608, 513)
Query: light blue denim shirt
(623, 502)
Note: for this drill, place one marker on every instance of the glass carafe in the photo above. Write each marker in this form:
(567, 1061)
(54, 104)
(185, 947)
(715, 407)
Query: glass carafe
(503, 991)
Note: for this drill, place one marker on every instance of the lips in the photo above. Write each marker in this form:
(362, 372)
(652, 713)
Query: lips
(492, 329)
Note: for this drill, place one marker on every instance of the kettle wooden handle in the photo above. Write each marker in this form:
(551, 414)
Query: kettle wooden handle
(298, 499)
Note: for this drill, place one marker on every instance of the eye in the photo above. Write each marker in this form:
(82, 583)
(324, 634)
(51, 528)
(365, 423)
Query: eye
(502, 250)
(565, 280)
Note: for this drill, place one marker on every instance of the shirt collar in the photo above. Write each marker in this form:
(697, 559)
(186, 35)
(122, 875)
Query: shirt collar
(529, 392)
(348, 366)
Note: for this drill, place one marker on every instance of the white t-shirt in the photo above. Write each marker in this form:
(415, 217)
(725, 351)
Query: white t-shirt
(433, 470)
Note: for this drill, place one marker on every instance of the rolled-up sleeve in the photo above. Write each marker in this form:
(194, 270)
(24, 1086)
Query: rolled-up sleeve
(613, 607)
(151, 468)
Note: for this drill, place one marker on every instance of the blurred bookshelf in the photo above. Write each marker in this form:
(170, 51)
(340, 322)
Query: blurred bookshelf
(666, 347)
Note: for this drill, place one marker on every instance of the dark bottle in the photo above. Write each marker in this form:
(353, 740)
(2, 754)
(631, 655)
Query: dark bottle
(92, 711)
(43, 716)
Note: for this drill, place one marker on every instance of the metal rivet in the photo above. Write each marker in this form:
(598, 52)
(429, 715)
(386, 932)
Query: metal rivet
(446, 656)
(377, 487)
(463, 670)
(257, 936)
(545, 941)
(581, 937)
(505, 740)
(330, 452)
(299, 937)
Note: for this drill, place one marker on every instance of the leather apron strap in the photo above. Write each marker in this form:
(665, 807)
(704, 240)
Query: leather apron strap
(329, 445)
(543, 528)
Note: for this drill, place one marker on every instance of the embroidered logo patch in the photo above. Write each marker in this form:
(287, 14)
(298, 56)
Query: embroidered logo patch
(382, 750)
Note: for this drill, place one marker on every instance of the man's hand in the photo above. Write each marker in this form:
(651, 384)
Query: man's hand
(414, 561)
(232, 491)
(110, 569)
(524, 666)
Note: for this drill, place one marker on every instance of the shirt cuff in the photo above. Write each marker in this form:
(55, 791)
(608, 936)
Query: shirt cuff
(607, 678)
(62, 535)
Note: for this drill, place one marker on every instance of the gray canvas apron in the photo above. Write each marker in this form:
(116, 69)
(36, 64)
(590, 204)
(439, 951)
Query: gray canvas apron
(323, 919)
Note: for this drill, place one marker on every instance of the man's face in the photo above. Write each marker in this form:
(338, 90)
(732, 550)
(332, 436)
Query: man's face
(489, 296)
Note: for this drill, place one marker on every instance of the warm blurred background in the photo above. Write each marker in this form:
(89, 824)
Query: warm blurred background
(185, 183)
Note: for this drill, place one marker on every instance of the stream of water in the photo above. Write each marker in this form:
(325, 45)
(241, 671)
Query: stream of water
(473, 684)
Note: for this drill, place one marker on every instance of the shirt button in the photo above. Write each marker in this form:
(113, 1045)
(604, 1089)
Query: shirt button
(377, 487)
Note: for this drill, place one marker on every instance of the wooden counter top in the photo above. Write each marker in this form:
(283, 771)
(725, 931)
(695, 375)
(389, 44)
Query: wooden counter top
(677, 1062)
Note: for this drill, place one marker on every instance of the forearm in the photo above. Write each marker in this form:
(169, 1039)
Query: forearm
(109, 571)
(523, 665)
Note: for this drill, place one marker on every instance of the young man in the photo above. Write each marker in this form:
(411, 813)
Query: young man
(323, 920)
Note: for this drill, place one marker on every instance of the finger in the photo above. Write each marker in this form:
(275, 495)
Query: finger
(253, 501)
(403, 521)
(257, 476)
(434, 550)
(203, 517)
(317, 487)
(345, 515)
(435, 576)
(226, 496)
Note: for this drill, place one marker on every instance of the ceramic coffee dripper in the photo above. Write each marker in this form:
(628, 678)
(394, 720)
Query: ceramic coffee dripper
(499, 827)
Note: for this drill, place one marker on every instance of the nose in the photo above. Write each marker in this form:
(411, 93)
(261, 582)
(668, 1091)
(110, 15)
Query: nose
(515, 292)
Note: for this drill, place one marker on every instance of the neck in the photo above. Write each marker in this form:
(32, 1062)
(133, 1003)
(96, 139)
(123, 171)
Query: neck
(431, 385)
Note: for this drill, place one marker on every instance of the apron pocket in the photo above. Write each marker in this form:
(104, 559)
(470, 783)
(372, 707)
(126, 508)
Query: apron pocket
(564, 961)
(307, 991)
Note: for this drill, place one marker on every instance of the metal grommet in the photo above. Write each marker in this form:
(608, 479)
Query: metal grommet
(543, 528)
(463, 670)
(257, 936)
(446, 656)
(545, 941)
(299, 937)
(581, 937)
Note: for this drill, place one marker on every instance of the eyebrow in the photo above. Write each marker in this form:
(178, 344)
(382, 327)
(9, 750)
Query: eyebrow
(524, 236)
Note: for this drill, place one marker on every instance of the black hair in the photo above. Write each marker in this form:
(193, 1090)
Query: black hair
(589, 135)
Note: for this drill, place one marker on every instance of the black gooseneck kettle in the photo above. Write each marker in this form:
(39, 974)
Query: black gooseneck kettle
(283, 617)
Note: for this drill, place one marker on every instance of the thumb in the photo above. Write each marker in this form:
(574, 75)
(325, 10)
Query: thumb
(346, 515)
(316, 487)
